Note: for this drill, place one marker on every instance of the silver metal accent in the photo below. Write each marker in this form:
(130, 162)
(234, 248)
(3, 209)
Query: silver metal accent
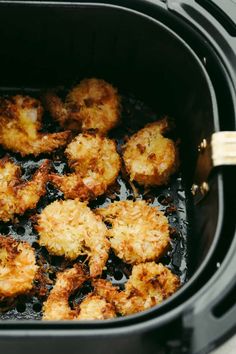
(202, 146)
(204, 188)
(194, 189)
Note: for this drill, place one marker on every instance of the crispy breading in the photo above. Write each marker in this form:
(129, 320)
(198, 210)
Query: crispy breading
(106, 290)
(94, 307)
(139, 232)
(56, 307)
(93, 104)
(72, 186)
(95, 163)
(20, 122)
(150, 158)
(16, 195)
(148, 285)
(69, 228)
(17, 267)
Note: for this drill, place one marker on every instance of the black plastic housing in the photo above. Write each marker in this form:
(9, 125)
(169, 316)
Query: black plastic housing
(49, 44)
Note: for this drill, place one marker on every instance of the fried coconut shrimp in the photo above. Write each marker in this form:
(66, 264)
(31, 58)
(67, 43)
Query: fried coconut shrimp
(93, 104)
(17, 267)
(148, 285)
(16, 195)
(139, 232)
(57, 307)
(149, 157)
(94, 307)
(20, 122)
(96, 165)
(69, 228)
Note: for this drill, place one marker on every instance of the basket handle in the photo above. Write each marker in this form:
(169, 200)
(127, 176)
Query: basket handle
(223, 148)
(218, 150)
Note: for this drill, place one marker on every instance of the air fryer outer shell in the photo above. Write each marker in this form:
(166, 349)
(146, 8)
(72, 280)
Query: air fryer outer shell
(205, 315)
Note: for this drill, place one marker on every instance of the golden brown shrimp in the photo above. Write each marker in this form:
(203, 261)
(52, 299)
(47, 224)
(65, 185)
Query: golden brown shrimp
(139, 232)
(93, 104)
(20, 122)
(69, 228)
(17, 267)
(150, 158)
(96, 165)
(94, 307)
(16, 196)
(57, 306)
(148, 285)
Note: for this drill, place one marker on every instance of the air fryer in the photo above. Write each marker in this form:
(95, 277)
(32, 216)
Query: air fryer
(178, 58)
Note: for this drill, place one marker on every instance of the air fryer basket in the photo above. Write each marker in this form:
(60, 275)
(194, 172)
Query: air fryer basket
(45, 45)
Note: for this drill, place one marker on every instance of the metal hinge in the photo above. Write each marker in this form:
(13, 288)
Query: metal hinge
(219, 150)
